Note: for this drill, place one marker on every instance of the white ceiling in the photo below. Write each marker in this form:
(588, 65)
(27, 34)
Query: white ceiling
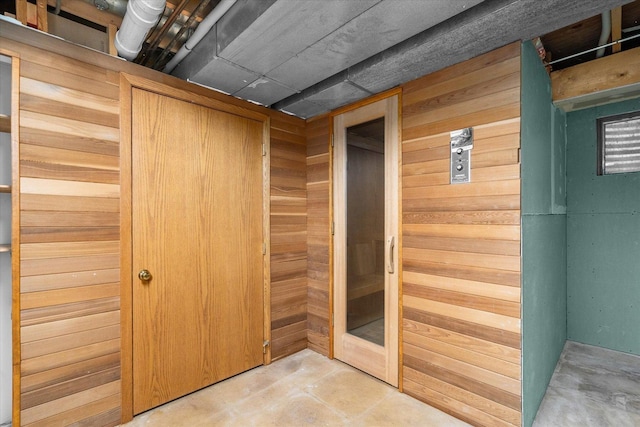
(306, 57)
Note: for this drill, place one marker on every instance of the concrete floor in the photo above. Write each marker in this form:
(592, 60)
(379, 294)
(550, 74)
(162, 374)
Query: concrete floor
(305, 389)
(592, 386)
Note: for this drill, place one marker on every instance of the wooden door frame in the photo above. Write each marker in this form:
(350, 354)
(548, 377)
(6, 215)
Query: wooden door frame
(397, 92)
(127, 83)
(16, 356)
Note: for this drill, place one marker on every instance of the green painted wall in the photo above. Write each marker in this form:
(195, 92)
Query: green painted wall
(603, 236)
(544, 292)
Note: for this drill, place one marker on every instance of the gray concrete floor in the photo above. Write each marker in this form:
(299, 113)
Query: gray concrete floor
(305, 389)
(592, 386)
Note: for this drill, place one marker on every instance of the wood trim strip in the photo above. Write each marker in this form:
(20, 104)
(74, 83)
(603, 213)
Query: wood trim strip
(126, 252)
(15, 234)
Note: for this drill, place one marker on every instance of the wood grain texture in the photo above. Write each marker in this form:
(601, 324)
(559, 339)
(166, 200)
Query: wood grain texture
(5, 123)
(71, 110)
(288, 236)
(601, 75)
(318, 232)
(209, 185)
(69, 288)
(461, 243)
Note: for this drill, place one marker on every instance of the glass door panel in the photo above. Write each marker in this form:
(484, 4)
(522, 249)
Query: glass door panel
(365, 230)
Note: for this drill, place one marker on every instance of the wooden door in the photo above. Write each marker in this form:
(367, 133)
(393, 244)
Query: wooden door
(366, 270)
(197, 228)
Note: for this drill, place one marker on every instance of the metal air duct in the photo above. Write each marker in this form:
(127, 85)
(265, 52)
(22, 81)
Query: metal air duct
(205, 26)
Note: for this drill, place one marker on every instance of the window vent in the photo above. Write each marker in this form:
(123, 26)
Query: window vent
(619, 144)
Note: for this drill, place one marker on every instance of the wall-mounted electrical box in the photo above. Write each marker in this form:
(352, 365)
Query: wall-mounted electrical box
(461, 145)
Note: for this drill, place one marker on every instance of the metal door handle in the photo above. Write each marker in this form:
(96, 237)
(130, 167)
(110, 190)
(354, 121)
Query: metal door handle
(391, 243)
(144, 275)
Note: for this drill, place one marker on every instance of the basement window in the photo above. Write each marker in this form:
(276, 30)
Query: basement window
(619, 143)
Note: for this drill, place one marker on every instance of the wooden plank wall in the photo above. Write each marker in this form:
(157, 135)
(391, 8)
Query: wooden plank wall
(318, 229)
(69, 253)
(288, 236)
(69, 242)
(461, 243)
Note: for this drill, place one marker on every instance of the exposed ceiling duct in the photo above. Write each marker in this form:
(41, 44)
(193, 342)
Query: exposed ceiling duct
(205, 26)
(309, 57)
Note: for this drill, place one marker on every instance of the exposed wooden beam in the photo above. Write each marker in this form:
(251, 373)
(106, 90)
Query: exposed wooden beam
(32, 15)
(21, 11)
(596, 82)
(111, 32)
(616, 27)
(43, 23)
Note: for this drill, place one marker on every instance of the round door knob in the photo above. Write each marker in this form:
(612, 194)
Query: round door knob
(144, 275)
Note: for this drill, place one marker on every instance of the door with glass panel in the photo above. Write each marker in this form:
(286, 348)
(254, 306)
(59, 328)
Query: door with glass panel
(365, 212)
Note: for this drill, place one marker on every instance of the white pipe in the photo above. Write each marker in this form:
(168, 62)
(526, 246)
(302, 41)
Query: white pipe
(141, 16)
(203, 28)
(606, 32)
(631, 29)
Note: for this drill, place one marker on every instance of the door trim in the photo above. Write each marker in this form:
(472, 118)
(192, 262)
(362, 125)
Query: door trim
(127, 83)
(386, 104)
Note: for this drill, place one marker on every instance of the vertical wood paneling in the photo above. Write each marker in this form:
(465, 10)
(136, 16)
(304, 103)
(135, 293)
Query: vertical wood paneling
(69, 299)
(288, 236)
(318, 229)
(461, 243)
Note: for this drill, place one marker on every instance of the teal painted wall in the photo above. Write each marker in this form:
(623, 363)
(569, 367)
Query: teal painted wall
(603, 236)
(544, 224)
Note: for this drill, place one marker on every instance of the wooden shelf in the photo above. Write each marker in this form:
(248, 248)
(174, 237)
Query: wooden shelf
(5, 248)
(5, 189)
(5, 123)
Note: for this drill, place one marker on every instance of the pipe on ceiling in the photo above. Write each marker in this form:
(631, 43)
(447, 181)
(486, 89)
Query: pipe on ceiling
(605, 33)
(203, 28)
(141, 16)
